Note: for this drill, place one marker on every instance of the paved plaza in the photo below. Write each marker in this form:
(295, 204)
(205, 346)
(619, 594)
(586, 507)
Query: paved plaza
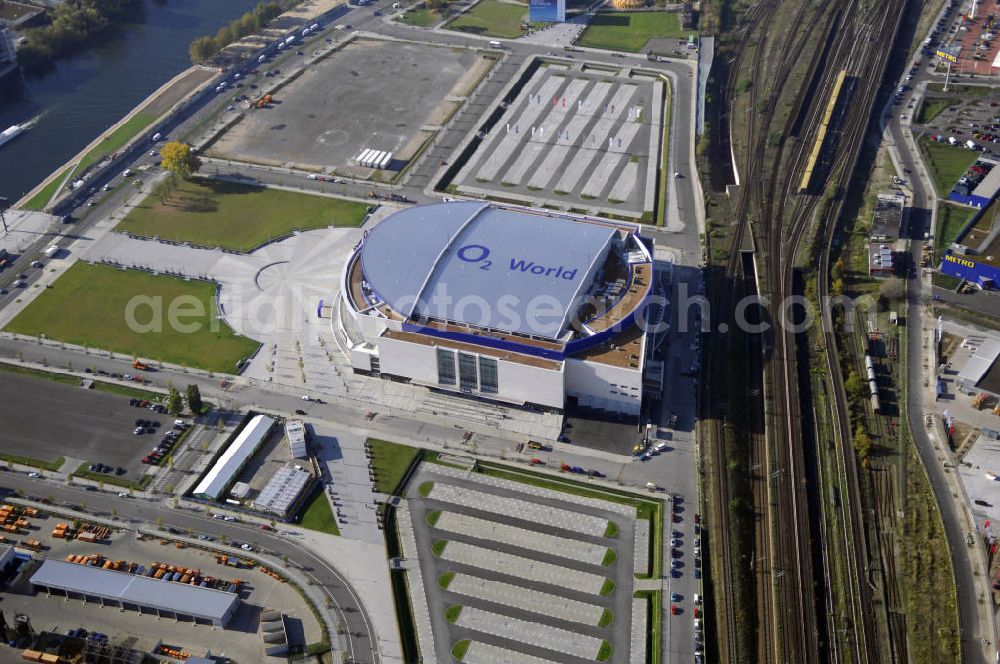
(584, 139)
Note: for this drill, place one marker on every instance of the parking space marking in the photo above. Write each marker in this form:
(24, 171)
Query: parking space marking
(561, 547)
(526, 599)
(523, 568)
(535, 634)
(484, 653)
(532, 490)
(515, 508)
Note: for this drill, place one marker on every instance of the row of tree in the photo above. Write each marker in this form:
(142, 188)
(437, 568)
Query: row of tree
(71, 25)
(205, 48)
(192, 395)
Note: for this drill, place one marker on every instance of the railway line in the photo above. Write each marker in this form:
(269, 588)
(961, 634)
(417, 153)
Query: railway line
(789, 628)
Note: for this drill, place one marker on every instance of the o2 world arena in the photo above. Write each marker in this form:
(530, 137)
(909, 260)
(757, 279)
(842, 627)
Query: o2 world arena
(524, 307)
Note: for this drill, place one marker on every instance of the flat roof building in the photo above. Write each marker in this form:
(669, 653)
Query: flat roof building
(138, 593)
(284, 491)
(531, 308)
(888, 217)
(981, 372)
(215, 481)
(295, 432)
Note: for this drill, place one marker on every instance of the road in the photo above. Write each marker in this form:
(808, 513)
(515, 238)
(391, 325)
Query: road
(975, 629)
(362, 647)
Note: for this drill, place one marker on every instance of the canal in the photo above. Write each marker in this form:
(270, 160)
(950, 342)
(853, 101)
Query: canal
(83, 94)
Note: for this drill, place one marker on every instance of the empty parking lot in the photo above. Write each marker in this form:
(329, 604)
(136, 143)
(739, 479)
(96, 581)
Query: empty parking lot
(370, 94)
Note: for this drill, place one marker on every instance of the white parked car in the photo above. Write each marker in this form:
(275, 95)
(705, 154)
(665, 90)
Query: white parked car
(34, 474)
(675, 543)
(123, 494)
(246, 547)
(229, 518)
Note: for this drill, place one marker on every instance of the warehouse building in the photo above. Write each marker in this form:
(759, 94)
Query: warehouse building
(228, 466)
(142, 594)
(887, 219)
(528, 308)
(981, 373)
(284, 492)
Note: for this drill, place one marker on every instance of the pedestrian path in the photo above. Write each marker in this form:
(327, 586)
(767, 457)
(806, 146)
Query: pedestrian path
(637, 648)
(641, 549)
(415, 584)
(341, 455)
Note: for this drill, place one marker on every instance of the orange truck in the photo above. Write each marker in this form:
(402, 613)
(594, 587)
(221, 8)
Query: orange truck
(141, 366)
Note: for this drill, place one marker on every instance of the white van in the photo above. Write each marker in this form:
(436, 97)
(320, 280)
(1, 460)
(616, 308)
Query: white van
(496, 43)
(156, 137)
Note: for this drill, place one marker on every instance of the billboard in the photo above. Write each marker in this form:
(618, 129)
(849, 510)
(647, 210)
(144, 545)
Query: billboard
(547, 11)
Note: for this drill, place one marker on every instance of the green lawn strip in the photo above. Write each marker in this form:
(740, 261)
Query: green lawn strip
(607, 618)
(421, 18)
(459, 649)
(950, 220)
(609, 558)
(932, 107)
(233, 216)
(945, 281)
(652, 623)
(607, 587)
(445, 580)
(42, 198)
(116, 139)
(611, 530)
(946, 162)
(629, 31)
(452, 612)
(426, 488)
(432, 519)
(84, 472)
(962, 90)
(604, 654)
(391, 462)
(88, 305)
(492, 18)
(438, 547)
(318, 515)
(661, 216)
(53, 465)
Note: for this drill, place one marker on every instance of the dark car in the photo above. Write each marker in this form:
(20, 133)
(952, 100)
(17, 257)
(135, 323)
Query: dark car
(299, 411)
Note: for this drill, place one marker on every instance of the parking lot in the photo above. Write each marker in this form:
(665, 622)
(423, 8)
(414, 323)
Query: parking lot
(47, 420)
(238, 640)
(586, 138)
(370, 94)
(535, 571)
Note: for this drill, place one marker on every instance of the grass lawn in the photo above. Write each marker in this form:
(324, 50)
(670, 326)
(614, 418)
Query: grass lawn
(67, 379)
(53, 465)
(492, 18)
(607, 618)
(318, 515)
(445, 580)
(932, 107)
(235, 216)
(604, 654)
(422, 18)
(42, 198)
(452, 612)
(661, 211)
(88, 305)
(116, 139)
(945, 281)
(950, 220)
(947, 163)
(390, 461)
(629, 31)
(459, 649)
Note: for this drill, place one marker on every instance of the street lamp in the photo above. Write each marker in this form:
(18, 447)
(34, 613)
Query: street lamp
(4, 204)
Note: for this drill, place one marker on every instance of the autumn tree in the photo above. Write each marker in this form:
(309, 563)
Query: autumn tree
(179, 160)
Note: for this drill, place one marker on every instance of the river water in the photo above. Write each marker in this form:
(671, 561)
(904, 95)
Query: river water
(85, 93)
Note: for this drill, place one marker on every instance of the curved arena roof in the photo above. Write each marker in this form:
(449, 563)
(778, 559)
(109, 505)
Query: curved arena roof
(474, 264)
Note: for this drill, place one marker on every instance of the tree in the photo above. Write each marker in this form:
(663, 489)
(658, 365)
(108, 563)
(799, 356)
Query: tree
(862, 445)
(179, 160)
(174, 402)
(194, 399)
(202, 49)
(854, 386)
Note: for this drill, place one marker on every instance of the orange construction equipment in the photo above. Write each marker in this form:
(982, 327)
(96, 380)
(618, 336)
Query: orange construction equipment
(141, 366)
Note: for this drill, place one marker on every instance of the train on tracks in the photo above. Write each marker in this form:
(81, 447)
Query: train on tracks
(822, 134)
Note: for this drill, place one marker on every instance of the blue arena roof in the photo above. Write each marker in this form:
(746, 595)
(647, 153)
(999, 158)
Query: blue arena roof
(468, 262)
